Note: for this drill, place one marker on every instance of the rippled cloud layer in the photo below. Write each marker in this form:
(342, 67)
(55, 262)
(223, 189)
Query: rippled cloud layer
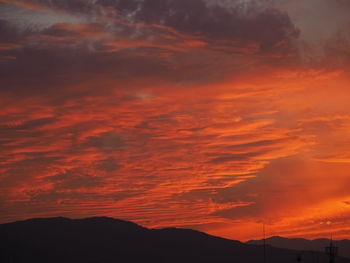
(214, 115)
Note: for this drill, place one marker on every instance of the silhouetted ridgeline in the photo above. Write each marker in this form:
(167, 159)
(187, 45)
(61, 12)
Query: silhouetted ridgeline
(305, 244)
(107, 240)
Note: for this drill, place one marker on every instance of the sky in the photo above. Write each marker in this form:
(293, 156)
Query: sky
(215, 115)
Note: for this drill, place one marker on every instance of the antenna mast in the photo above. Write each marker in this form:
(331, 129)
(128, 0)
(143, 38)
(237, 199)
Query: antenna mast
(331, 251)
(264, 240)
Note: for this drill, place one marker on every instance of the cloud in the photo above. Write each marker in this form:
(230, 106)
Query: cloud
(286, 195)
(75, 179)
(106, 142)
(108, 165)
(170, 113)
(267, 28)
(260, 30)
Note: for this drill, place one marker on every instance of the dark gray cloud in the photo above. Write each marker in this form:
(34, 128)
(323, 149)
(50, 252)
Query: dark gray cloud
(106, 142)
(108, 165)
(264, 26)
(28, 125)
(110, 44)
(75, 179)
(9, 34)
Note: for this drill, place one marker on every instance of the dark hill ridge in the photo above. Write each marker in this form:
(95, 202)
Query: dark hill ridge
(305, 244)
(107, 240)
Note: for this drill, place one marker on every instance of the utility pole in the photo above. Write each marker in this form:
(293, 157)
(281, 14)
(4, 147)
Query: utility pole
(264, 240)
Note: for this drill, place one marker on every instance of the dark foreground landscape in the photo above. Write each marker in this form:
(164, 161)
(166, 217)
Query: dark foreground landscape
(305, 244)
(109, 240)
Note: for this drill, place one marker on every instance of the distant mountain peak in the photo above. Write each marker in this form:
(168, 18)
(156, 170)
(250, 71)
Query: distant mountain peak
(109, 240)
(305, 244)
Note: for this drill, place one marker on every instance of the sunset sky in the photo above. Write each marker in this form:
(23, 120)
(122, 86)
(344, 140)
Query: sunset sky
(216, 115)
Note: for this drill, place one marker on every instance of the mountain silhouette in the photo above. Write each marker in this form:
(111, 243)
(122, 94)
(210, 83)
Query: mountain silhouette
(107, 240)
(305, 244)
